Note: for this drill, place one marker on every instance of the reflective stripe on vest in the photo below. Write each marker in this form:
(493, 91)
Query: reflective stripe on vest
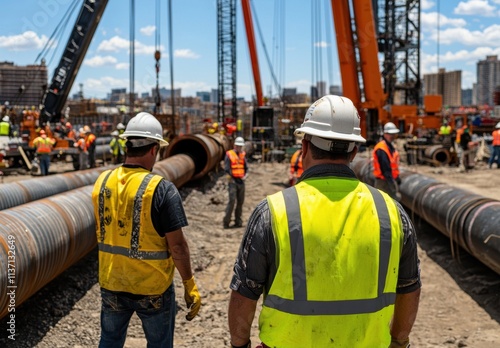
(393, 161)
(237, 163)
(300, 305)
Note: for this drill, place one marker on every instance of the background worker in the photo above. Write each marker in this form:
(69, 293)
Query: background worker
(141, 242)
(236, 168)
(386, 162)
(44, 146)
(6, 127)
(349, 278)
(117, 149)
(495, 153)
(83, 154)
(90, 142)
(296, 168)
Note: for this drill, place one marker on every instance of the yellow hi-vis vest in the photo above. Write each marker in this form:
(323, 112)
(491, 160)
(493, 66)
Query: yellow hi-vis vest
(132, 256)
(338, 244)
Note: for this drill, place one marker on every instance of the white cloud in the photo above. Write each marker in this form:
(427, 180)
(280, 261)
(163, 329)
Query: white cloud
(186, 53)
(490, 36)
(100, 87)
(97, 61)
(122, 66)
(148, 31)
(426, 4)
(475, 8)
(115, 44)
(140, 48)
(26, 41)
(321, 44)
(428, 21)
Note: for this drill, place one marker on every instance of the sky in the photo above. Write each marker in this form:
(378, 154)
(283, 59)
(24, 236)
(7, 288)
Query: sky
(468, 31)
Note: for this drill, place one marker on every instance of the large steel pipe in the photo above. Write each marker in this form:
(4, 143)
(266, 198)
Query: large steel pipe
(24, 191)
(469, 220)
(43, 238)
(437, 155)
(206, 151)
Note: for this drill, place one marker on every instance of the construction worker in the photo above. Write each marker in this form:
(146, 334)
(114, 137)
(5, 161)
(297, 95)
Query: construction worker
(90, 143)
(296, 168)
(496, 147)
(117, 149)
(346, 278)
(83, 154)
(236, 168)
(70, 133)
(141, 242)
(121, 128)
(386, 163)
(5, 127)
(44, 146)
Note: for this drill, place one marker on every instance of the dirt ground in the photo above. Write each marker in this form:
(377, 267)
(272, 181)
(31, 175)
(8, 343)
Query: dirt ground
(460, 301)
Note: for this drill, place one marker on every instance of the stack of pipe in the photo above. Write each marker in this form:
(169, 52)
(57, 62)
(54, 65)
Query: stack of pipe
(41, 239)
(468, 219)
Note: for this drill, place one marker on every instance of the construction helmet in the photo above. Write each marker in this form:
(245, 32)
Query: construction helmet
(144, 125)
(115, 133)
(68, 125)
(239, 141)
(120, 126)
(498, 125)
(5, 118)
(332, 118)
(86, 128)
(391, 128)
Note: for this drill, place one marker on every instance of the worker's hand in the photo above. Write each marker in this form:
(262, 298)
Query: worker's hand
(400, 343)
(229, 178)
(245, 176)
(192, 297)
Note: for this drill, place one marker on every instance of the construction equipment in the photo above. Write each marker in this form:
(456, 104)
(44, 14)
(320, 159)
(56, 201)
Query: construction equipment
(56, 95)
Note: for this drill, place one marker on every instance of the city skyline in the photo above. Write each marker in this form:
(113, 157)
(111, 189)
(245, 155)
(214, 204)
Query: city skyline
(467, 34)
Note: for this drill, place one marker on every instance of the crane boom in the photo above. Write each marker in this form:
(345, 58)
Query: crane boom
(76, 48)
(252, 48)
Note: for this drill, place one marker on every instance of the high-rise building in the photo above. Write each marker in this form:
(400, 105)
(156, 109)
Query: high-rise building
(204, 96)
(448, 84)
(321, 88)
(335, 90)
(488, 78)
(22, 85)
(467, 97)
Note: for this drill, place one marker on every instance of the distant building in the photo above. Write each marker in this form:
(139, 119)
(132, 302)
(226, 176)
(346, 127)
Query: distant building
(448, 84)
(145, 95)
(214, 96)
(289, 92)
(321, 88)
(118, 95)
(204, 96)
(488, 78)
(167, 93)
(22, 85)
(467, 97)
(335, 90)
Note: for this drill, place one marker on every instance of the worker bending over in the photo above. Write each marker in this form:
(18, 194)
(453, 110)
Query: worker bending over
(335, 259)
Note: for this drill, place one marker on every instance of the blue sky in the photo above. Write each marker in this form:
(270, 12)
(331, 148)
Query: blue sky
(469, 31)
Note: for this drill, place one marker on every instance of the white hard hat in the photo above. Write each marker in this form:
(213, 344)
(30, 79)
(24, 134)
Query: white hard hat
(5, 118)
(391, 128)
(144, 125)
(498, 125)
(332, 118)
(239, 141)
(120, 126)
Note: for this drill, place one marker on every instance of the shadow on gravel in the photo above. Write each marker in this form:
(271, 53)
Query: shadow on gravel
(42, 311)
(480, 282)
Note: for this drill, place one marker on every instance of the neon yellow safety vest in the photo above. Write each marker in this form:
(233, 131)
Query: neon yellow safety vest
(132, 256)
(4, 128)
(338, 244)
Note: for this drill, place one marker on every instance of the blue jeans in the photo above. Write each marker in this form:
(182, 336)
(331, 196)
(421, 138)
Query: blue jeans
(495, 153)
(157, 314)
(44, 163)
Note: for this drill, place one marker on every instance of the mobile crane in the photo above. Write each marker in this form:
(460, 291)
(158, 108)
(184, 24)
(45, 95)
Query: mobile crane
(57, 92)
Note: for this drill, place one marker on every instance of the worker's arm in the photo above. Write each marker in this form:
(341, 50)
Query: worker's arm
(240, 316)
(180, 253)
(405, 313)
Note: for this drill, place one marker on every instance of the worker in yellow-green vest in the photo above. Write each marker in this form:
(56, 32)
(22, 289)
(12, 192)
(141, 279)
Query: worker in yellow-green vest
(335, 259)
(139, 220)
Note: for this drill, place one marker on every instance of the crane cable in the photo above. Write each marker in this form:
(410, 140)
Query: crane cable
(132, 56)
(279, 40)
(157, 56)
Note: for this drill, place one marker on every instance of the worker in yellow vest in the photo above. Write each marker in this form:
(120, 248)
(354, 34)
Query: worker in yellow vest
(141, 242)
(236, 168)
(496, 147)
(335, 259)
(44, 146)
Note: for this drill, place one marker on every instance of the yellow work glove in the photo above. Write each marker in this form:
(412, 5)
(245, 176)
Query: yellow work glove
(400, 343)
(192, 297)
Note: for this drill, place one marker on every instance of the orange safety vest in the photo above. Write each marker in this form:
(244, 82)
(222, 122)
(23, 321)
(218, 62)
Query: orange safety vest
(43, 145)
(89, 140)
(81, 145)
(496, 137)
(459, 135)
(237, 163)
(393, 159)
(296, 164)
